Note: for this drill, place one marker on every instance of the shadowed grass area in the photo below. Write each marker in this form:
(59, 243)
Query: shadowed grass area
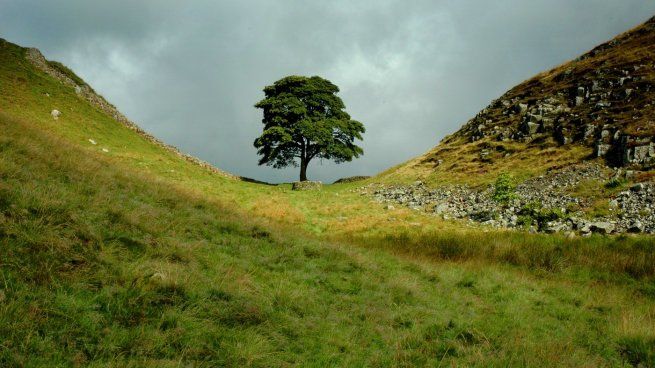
(602, 258)
(134, 257)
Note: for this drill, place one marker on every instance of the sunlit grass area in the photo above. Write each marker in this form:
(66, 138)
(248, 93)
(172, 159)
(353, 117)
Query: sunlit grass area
(136, 257)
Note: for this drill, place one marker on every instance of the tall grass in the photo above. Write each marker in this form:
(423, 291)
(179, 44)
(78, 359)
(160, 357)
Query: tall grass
(617, 258)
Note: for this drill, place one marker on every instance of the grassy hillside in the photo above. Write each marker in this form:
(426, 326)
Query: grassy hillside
(122, 253)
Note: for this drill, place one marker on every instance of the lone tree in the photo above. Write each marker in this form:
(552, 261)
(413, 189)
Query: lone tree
(305, 119)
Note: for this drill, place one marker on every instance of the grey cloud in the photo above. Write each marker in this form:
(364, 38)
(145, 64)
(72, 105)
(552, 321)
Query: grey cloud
(190, 72)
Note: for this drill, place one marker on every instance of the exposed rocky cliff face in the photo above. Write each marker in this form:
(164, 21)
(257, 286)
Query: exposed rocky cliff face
(603, 100)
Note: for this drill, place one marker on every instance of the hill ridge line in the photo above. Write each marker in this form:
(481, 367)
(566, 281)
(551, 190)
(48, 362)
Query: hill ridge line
(36, 58)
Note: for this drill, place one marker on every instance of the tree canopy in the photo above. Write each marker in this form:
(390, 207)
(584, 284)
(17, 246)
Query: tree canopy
(305, 119)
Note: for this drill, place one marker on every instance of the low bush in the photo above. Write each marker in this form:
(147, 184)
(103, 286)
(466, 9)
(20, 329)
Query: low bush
(504, 189)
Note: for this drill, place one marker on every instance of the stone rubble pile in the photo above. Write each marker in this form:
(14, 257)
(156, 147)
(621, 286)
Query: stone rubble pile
(542, 204)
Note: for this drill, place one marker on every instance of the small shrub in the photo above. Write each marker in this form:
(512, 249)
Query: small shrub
(504, 189)
(535, 213)
(259, 233)
(615, 183)
(483, 216)
(524, 221)
(466, 282)
(638, 351)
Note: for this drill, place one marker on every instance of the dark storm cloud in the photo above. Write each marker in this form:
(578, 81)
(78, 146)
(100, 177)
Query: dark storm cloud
(412, 71)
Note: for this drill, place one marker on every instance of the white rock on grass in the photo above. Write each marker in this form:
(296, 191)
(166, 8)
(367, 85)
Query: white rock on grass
(55, 114)
(105, 150)
(92, 141)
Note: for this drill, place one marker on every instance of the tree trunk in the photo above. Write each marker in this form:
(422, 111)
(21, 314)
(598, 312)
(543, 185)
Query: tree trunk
(303, 170)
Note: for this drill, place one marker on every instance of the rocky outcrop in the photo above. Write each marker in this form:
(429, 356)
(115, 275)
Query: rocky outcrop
(604, 100)
(86, 92)
(581, 114)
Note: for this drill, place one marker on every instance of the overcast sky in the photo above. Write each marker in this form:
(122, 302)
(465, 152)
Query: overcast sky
(413, 71)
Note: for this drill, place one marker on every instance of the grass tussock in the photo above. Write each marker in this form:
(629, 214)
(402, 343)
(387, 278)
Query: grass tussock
(615, 258)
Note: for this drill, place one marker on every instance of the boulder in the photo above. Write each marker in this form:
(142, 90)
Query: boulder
(636, 226)
(555, 227)
(602, 227)
(639, 153)
(307, 185)
(55, 114)
(562, 135)
(602, 149)
(535, 118)
(595, 87)
(441, 208)
(529, 128)
(589, 131)
(546, 125)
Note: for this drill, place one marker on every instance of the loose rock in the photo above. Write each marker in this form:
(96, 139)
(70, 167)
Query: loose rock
(307, 185)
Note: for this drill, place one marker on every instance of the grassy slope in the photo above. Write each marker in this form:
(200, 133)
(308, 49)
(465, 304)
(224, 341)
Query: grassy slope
(136, 257)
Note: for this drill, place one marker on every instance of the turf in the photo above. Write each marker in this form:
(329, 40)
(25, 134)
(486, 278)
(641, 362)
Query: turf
(135, 257)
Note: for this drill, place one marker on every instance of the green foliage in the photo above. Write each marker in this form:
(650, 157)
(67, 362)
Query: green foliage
(482, 216)
(639, 352)
(535, 213)
(525, 221)
(305, 119)
(504, 189)
(615, 183)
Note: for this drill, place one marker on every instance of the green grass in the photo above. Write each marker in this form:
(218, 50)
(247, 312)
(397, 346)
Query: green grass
(136, 257)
